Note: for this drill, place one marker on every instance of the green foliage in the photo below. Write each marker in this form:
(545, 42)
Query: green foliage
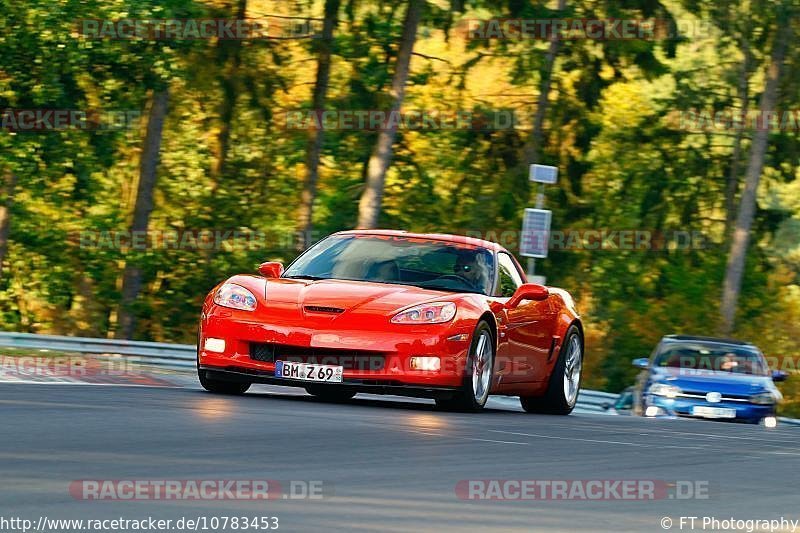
(626, 162)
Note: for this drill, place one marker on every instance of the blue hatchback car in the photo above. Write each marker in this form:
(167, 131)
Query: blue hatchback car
(704, 377)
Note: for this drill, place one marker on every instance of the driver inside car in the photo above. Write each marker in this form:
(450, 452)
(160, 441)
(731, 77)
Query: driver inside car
(471, 268)
(729, 362)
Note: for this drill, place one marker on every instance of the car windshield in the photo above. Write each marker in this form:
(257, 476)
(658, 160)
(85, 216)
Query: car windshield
(716, 357)
(425, 263)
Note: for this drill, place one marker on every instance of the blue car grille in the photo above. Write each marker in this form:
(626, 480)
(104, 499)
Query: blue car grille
(699, 395)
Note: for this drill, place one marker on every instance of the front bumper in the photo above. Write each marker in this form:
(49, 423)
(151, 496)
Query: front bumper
(369, 386)
(391, 346)
(682, 407)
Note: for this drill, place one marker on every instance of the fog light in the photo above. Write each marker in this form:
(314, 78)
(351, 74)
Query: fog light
(426, 363)
(770, 421)
(651, 410)
(215, 345)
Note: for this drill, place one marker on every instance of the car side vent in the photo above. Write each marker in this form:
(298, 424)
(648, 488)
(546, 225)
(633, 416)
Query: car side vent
(323, 309)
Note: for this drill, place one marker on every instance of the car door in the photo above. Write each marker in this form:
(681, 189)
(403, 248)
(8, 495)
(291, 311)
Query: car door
(526, 331)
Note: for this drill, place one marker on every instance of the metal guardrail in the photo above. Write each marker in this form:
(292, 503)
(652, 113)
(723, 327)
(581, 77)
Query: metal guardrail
(595, 401)
(589, 401)
(183, 356)
(157, 353)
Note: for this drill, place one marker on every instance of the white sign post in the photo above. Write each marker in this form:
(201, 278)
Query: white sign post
(543, 174)
(535, 233)
(535, 239)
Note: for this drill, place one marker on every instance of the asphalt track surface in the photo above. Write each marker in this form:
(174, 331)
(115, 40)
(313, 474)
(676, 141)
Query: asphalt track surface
(386, 463)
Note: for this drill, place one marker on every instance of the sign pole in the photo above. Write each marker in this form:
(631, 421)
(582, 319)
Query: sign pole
(540, 197)
(536, 223)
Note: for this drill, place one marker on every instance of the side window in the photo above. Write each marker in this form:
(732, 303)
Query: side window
(509, 278)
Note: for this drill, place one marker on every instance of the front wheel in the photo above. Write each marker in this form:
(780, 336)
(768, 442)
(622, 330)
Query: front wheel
(330, 393)
(474, 391)
(222, 387)
(565, 381)
(217, 386)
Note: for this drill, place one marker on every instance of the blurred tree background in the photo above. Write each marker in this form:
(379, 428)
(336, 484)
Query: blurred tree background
(211, 146)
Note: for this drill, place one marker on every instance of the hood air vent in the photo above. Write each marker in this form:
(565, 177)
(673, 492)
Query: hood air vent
(323, 309)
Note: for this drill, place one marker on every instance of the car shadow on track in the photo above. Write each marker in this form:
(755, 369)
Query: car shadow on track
(361, 400)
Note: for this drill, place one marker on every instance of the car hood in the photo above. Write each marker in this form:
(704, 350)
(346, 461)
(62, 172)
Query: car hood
(347, 295)
(708, 381)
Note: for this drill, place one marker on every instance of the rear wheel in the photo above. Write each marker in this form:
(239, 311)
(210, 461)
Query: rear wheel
(474, 391)
(565, 381)
(330, 394)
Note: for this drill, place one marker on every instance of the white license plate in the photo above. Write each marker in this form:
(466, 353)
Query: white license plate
(713, 412)
(306, 372)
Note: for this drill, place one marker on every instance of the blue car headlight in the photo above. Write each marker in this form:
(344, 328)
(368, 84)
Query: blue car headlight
(662, 389)
(763, 398)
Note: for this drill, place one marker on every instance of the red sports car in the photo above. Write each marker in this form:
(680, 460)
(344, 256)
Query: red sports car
(390, 312)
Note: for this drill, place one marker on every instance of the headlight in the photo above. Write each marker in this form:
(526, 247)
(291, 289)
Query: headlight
(235, 297)
(662, 389)
(434, 313)
(653, 410)
(764, 398)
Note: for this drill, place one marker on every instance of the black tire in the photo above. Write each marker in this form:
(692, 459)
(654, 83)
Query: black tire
(464, 399)
(555, 401)
(233, 388)
(217, 386)
(330, 393)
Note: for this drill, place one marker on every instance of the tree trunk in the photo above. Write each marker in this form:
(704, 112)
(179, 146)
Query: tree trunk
(747, 206)
(132, 276)
(732, 184)
(315, 135)
(229, 55)
(5, 215)
(534, 145)
(369, 207)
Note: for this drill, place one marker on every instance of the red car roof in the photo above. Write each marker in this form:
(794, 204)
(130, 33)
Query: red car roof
(455, 239)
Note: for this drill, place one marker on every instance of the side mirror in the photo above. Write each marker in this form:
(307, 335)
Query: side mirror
(779, 375)
(528, 291)
(642, 362)
(271, 269)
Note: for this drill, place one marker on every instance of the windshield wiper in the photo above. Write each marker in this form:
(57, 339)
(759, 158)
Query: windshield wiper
(304, 276)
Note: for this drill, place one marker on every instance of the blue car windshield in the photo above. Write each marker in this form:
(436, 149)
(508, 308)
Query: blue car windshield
(716, 357)
(425, 263)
